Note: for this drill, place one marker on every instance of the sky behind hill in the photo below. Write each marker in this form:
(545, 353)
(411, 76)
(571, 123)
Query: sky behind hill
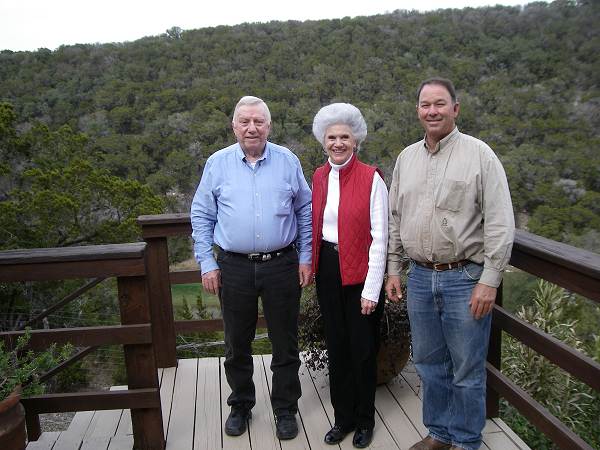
(34, 24)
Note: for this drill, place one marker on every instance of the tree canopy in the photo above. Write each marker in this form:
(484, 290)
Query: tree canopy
(153, 110)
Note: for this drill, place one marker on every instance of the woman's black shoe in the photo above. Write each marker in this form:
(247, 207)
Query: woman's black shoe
(362, 437)
(337, 434)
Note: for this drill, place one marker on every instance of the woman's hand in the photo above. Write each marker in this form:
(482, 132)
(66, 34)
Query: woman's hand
(367, 306)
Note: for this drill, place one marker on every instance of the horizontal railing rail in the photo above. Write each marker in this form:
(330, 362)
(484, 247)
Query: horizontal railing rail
(128, 263)
(574, 269)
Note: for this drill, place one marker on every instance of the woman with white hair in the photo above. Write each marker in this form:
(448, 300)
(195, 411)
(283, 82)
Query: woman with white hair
(349, 214)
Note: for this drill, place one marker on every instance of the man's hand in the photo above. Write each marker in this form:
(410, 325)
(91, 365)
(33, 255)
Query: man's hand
(482, 300)
(367, 306)
(305, 274)
(393, 288)
(211, 281)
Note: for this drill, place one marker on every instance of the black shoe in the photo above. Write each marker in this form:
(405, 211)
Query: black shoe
(362, 437)
(286, 425)
(337, 434)
(237, 420)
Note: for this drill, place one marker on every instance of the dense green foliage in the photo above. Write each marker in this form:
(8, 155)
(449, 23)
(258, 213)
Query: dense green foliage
(22, 368)
(573, 402)
(153, 110)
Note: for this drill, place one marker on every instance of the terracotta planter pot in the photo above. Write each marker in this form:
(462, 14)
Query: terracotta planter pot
(12, 422)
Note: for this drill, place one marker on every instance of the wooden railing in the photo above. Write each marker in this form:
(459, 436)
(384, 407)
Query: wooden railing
(566, 266)
(127, 262)
(576, 270)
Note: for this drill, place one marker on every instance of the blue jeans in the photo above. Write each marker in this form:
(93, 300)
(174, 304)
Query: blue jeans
(449, 352)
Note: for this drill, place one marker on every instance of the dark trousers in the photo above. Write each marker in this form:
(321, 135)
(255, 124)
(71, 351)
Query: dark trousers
(277, 283)
(352, 343)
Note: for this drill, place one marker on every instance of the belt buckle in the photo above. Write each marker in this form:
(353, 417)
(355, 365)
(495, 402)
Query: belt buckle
(438, 267)
(253, 256)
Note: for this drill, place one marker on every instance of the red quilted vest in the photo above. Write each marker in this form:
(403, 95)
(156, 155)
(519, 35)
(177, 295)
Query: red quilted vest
(354, 218)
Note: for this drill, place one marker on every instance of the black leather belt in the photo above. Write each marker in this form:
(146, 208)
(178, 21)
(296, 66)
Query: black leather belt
(262, 257)
(440, 267)
(330, 245)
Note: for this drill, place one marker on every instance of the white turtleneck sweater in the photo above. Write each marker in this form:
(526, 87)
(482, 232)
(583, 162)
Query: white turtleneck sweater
(379, 226)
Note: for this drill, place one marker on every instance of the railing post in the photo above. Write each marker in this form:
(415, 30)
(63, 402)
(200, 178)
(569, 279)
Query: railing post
(161, 303)
(32, 423)
(140, 364)
(494, 357)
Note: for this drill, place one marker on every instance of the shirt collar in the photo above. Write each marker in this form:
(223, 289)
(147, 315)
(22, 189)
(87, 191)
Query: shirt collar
(441, 145)
(338, 167)
(240, 153)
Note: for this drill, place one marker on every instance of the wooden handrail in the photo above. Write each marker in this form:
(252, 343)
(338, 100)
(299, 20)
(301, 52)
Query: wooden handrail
(536, 413)
(127, 262)
(573, 268)
(44, 264)
(88, 401)
(576, 363)
(83, 336)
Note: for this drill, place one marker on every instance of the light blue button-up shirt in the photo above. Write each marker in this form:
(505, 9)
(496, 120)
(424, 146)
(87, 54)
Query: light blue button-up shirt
(245, 210)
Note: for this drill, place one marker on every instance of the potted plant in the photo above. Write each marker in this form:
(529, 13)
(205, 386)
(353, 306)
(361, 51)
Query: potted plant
(20, 372)
(394, 348)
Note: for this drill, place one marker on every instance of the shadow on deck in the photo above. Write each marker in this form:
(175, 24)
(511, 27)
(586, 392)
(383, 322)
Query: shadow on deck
(193, 398)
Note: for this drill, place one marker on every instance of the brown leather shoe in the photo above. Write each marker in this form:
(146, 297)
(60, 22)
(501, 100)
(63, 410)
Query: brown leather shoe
(430, 443)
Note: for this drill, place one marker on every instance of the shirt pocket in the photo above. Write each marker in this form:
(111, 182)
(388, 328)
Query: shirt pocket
(283, 199)
(451, 195)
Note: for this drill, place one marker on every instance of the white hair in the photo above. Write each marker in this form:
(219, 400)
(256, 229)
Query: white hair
(340, 114)
(250, 100)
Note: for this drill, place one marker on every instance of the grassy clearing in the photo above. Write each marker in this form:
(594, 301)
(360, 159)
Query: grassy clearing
(190, 293)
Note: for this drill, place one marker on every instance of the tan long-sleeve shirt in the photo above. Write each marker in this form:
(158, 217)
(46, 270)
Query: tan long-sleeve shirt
(449, 205)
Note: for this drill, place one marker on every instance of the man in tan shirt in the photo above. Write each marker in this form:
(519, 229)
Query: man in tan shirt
(451, 221)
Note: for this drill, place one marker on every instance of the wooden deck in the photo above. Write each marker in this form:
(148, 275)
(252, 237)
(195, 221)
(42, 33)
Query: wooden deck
(194, 408)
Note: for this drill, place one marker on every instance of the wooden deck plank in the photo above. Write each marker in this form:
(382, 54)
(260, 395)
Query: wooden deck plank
(230, 442)
(124, 427)
(207, 427)
(314, 419)
(99, 442)
(410, 404)
(167, 385)
(105, 423)
(45, 442)
(301, 441)
(262, 427)
(69, 440)
(410, 375)
(395, 419)
(321, 383)
(511, 434)
(121, 443)
(499, 441)
(80, 423)
(181, 423)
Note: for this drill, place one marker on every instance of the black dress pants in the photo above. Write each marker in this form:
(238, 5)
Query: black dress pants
(352, 342)
(277, 283)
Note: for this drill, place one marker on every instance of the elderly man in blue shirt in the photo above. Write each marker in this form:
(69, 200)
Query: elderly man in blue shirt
(253, 207)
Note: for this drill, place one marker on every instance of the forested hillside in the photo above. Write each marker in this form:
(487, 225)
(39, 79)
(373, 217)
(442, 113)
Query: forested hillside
(152, 111)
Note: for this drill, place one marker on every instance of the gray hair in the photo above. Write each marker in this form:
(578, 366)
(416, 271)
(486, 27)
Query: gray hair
(340, 114)
(250, 100)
